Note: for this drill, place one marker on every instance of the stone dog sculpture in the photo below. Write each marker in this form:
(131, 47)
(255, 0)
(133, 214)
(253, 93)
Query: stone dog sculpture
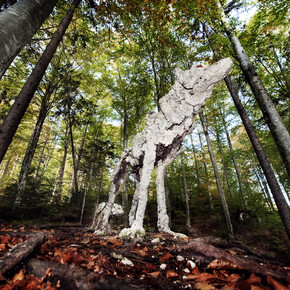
(160, 142)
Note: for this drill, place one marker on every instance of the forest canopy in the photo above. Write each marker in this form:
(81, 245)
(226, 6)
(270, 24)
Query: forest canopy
(93, 71)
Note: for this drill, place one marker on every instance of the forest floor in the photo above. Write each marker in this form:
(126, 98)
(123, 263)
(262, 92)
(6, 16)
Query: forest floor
(71, 257)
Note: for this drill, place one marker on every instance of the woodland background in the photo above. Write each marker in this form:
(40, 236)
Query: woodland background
(114, 63)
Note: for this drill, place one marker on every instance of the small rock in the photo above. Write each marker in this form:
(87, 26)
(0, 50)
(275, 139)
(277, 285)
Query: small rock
(191, 264)
(116, 256)
(155, 241)
(179, 258)
(127, 262)
(163, 266)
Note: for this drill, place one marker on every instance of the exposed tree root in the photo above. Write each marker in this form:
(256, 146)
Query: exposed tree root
(73, 277)
(20, 251)
(229, 260)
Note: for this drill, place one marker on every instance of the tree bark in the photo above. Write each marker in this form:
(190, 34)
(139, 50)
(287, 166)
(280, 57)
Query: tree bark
(6, 168)
(206, 176)
(278, 196)
(74, 277)
(61, 172)
(19, 252)
(18, 25)
(18, 109)
(273, 119)
(126, 177)
(196, 164)
(225, 171)
(27, 161)
(265, 191)
(236, 262)
(218, 181)
(243, 195)
(80, 152)
(75, 170)
(188, 222)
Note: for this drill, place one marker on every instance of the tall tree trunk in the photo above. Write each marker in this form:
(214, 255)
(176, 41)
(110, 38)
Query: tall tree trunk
(218, 180)
(27, 161)
(225, 171)
(6, 168)
(278, 196)
(18, 25)
(241, 187)
(61, 172)
(206, 175)
(195, 164)
(126, 177)
(39, 177)
(265, 190)
(85, 195)
(75, 171)
(188, 222)
(278, 130)
(80, 152)
(98, 195)
(18, 109)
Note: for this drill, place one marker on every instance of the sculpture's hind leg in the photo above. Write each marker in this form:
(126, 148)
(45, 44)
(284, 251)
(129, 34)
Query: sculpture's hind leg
(163, 219)
(141, 193)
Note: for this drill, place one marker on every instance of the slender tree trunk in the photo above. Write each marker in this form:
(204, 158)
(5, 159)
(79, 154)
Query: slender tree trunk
(40, 160)
(18, 25)
(186, 195)
(46, 162)
(265, 190)
(18, 109)
(241, 187)
(218, 181)
(280, 200)
(61, 172)
(225, 171)
(30, 151)
(206, 176)
(5, 170)
(278, 130)
(85, 197)
(196, 164)
(98, 196)
(80, 152)
(126, 177)
(75, 171)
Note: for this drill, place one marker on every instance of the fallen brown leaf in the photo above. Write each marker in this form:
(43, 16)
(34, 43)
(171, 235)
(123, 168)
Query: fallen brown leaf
(171, 274)
(18, 277)
(204, 277)
(222, 264)
(154, 274)
(203, 286)
(254, 279)
(167, 256)
(275, 284)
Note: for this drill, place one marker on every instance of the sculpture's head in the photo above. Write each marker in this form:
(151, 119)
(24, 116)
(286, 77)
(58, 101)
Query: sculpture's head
(204, 77)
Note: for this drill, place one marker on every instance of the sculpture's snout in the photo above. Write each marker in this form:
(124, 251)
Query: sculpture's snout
(219, 70)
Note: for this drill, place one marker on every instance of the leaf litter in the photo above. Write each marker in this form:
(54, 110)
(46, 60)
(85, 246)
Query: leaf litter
(156, 262)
